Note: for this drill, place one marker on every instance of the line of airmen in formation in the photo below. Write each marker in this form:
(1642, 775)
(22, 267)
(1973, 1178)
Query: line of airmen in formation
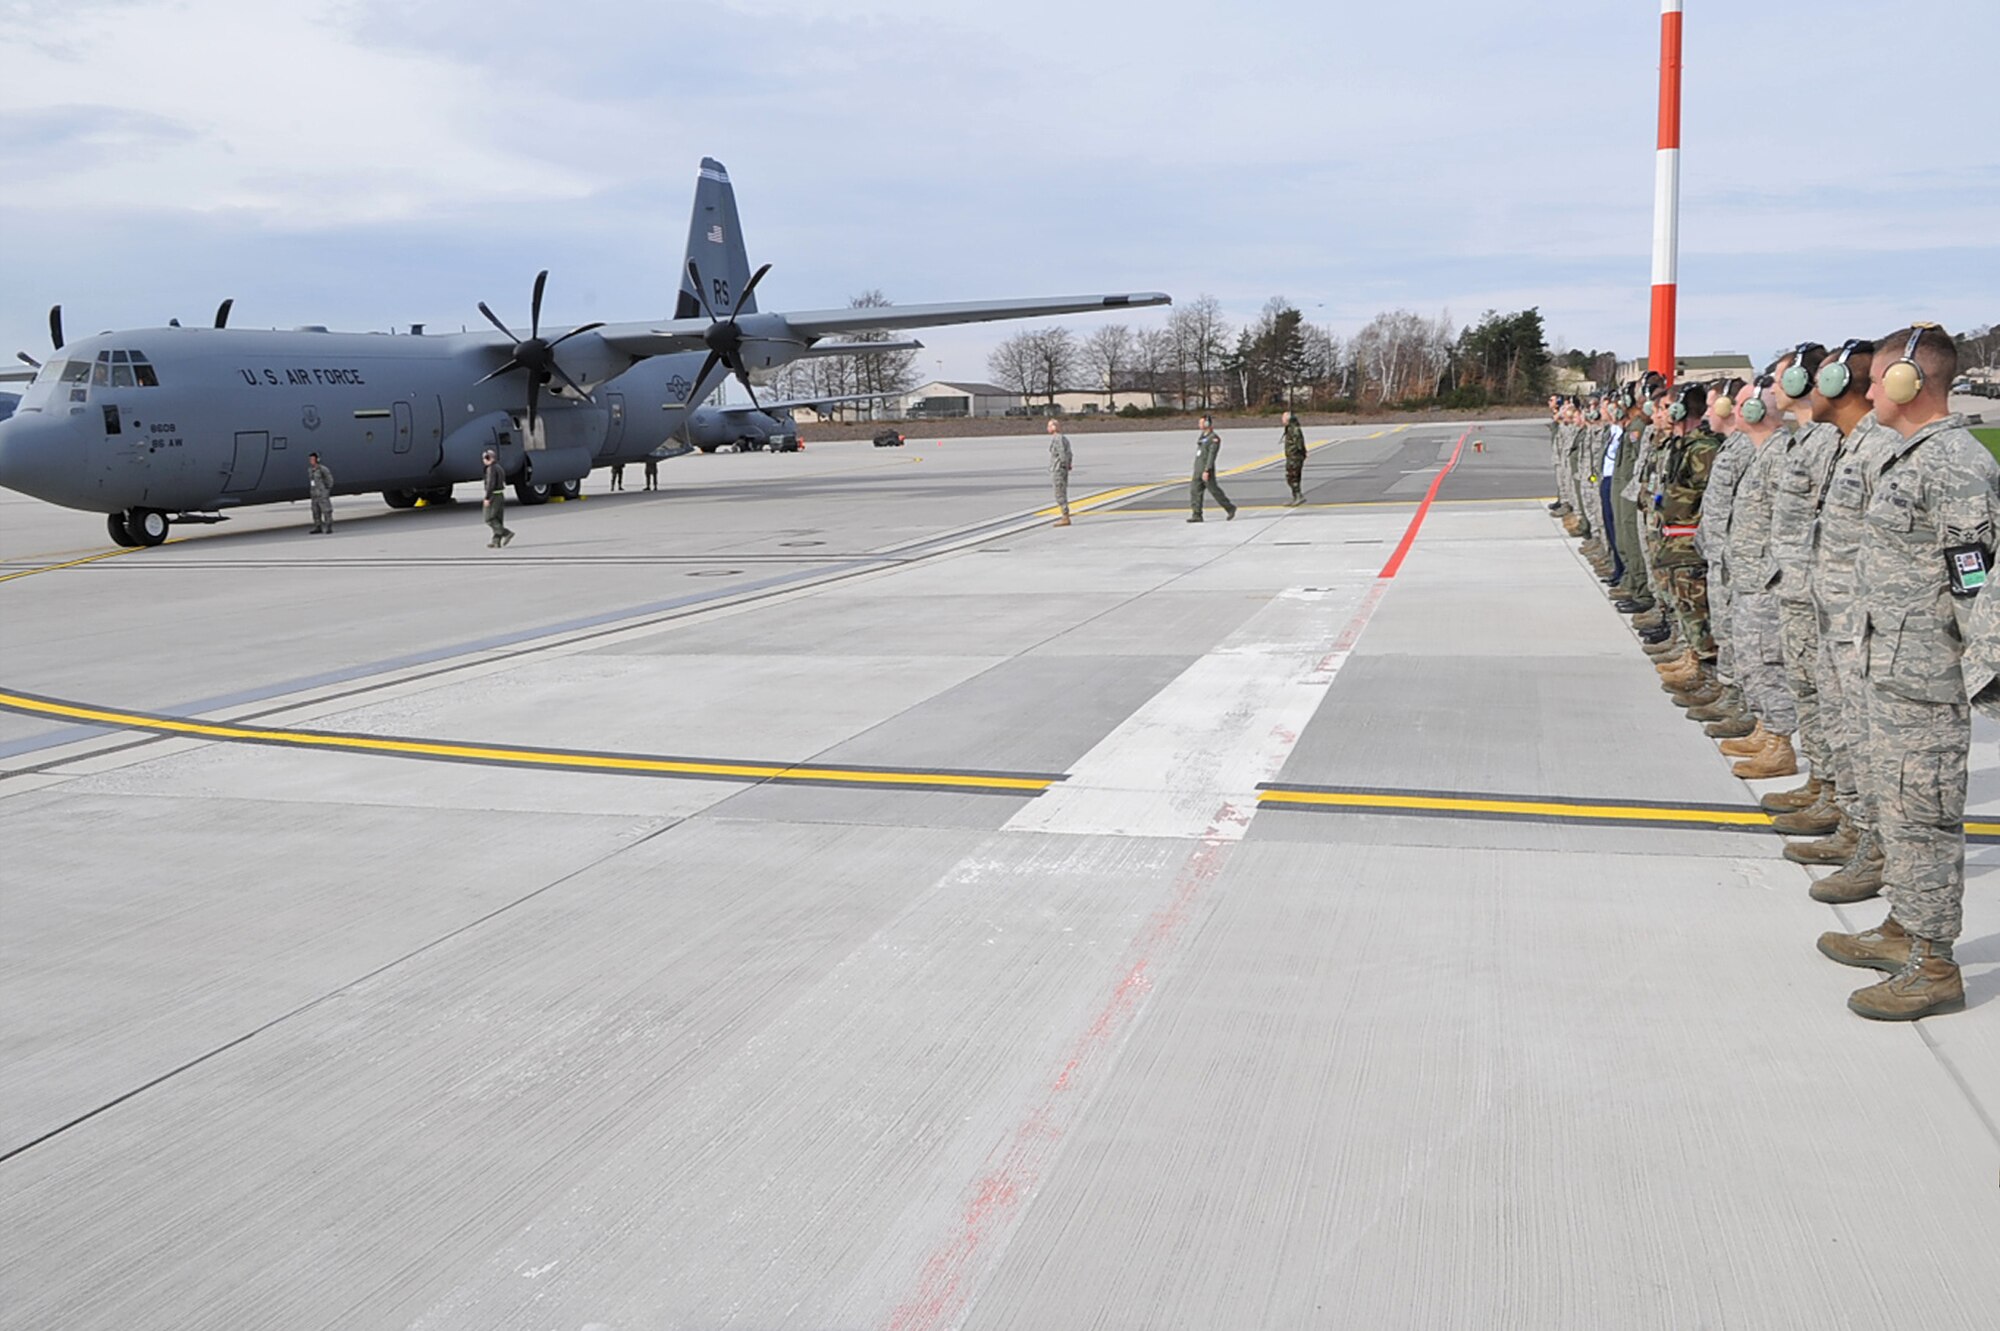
(1810, 588)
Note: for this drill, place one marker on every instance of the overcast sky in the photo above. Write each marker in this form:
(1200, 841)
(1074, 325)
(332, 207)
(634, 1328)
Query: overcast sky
(369, 163)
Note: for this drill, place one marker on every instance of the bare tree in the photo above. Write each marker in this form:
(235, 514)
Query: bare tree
(884, 372)
(1012, 364)
(1201, 342)
(1108, 354)
(1055, 360)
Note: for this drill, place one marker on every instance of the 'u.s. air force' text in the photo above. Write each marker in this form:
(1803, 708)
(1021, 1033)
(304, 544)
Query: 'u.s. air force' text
(295, 378)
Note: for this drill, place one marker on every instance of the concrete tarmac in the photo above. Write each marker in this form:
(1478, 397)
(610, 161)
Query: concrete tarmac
(822, 893)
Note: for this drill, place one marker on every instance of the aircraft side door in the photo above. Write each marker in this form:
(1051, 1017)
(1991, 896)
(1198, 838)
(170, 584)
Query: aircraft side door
(614, 433)
(405, 425)
(253, 451)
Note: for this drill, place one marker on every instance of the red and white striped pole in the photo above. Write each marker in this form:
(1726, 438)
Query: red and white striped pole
(1667, 194)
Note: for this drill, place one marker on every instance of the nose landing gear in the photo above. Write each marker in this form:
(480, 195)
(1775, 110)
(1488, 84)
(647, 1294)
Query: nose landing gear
(137, 527)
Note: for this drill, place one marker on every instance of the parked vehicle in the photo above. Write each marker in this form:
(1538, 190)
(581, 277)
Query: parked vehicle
(888, 439)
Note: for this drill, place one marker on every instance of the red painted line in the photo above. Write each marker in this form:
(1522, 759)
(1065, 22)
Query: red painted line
(1410, 537)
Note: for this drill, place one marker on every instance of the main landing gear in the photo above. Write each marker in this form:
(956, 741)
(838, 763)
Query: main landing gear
(137, 527)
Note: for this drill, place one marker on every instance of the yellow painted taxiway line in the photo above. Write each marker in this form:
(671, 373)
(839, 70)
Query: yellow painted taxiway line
(1557, 810)
(74, 563)
(626, 764)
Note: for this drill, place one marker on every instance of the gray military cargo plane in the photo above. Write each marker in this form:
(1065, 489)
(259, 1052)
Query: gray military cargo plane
(163, 424)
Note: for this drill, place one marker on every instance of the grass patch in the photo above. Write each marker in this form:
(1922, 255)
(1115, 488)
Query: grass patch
(1988, 435)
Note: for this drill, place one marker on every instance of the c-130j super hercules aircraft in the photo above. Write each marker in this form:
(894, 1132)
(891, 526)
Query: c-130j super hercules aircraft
(160, 424)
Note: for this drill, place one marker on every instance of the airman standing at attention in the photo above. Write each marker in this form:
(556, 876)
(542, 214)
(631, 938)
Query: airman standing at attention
(1295, 458)
(319, 485)
(1803, 465)
(1757, 649)
(1206, 448)
(1690, 460)
(1711, 539)
(1059, 465)
(1634, 597)
(1928, 533)
(496, 502)
(1839, 808)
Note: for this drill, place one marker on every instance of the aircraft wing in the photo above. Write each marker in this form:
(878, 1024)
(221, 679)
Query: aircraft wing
(660, 339)
(740, 408)
(870, 318)
(16, 374)
(860, 348)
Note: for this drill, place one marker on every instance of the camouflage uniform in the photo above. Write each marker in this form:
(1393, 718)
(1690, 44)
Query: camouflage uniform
(1759, 644)
(1837, 599)
(1937, 489)
(1295, 457)
(319, 485)
(1711, 541)
(1690, 459)
(1802, 475)
(1206, 449)
(1640, 489)
(496, 504)
(1059, 464)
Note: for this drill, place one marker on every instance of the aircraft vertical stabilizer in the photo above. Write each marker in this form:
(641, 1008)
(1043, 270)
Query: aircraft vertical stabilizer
(715, 246)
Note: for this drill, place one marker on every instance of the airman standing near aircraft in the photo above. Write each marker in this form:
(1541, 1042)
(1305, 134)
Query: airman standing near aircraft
(319, 485)
(1060, 459)
(1930, 522)
(1634, 597)
(496, 502)
(1757, 649)
(1295, 458)
(1843, 806)
(1207, 447)
(1711, 539)
(1803, 465)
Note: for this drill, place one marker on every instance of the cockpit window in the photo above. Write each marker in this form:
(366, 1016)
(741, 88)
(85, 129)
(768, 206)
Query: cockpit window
(76, 372)
(147, 379)
(121, 376)
(100, 373)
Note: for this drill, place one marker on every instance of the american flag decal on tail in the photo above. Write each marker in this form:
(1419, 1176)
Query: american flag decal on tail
(715, 235)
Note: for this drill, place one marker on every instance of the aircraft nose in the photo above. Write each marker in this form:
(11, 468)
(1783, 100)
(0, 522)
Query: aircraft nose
(34, 458)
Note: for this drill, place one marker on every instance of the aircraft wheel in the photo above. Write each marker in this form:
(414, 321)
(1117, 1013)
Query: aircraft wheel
(441, 495)
(706, 448)
(529, 493)
(400, 498)
(568, 489)
(115, 524)
(146, 526)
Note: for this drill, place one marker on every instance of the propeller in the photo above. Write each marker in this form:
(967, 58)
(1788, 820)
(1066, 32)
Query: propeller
(26, 359)
(536, 356)
(222, 313)
(725, 338)
(55, 326)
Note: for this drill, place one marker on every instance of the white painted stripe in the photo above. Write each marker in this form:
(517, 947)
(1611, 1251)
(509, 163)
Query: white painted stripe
(1188, 762)
(1670, 7)
(1666, 216)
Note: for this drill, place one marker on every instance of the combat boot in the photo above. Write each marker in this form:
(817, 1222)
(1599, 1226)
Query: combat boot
(1062, 521)
(1705, 690)
(1677, 670)
(1775, 759)
(1833, 849)
(1786, 801)
(1573, 524)
(1929, 982)
(1655, 635)
(1734, 726)
(1886, 947)
(1730, 704)
(1857, 880)
(1816, 819)
(1663, 650)
(1753, 742)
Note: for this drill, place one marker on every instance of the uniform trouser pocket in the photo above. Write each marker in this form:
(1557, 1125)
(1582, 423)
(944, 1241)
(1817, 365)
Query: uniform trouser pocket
(1933, 788)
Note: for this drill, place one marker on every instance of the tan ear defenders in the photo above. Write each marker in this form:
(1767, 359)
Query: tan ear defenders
(1903, 381)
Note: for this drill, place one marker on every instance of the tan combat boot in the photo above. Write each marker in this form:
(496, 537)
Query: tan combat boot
(1674, 662)
(1929, 982)
(1681, 679)
(1666, 649)
(1061, 521)
(1835, 849)
(1798, 797)
(1729, 727)
(1775, 759)
(1885, 947)
(1704, 693)
(1816, 819)
(1753, 742)
(1857, 880)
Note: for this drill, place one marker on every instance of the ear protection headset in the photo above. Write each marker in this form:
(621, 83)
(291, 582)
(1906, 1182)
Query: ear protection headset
(1835, 376)
(1753, 409)
(1691, 402)
(1903, 381)
(1797, 378)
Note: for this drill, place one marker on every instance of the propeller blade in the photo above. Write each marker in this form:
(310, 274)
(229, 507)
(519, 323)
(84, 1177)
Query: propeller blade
(511, 364)
(222, 312)
(26, 359)
(535, 308)
(572, 384)
(743, 377)
(573, 332)
(743, 296)
(534, 404)
(700, 292)
(494, 319)
(55, 326)
(707, 368)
